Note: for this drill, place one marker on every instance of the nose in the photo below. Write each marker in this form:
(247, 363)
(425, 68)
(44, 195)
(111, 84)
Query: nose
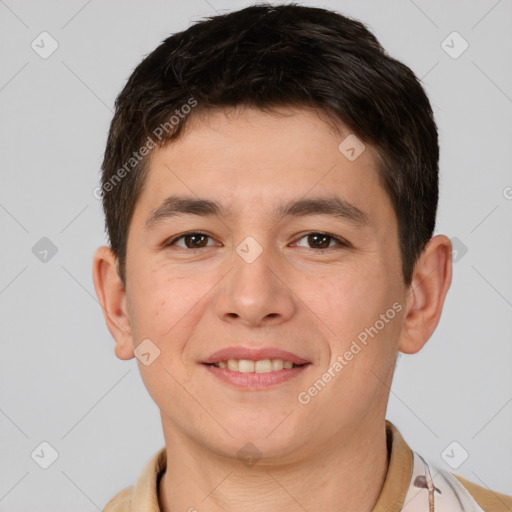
(255, 294)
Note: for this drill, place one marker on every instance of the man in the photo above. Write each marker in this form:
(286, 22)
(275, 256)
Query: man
(270, 186)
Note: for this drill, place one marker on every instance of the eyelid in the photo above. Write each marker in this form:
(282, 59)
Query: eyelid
(340, 242)
(172, 241)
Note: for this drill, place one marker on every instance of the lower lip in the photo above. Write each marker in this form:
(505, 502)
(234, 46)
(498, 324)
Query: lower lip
(255, 381)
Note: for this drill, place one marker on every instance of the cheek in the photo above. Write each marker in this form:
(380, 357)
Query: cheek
(350, 298)
(362, 348)
(362, 309)
(160, 300)
(164, 311)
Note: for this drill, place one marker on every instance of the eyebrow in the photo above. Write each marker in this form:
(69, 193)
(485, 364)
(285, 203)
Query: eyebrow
(333, 206)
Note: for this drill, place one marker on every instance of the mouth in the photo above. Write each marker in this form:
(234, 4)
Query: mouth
(259, 366)
(254, 369)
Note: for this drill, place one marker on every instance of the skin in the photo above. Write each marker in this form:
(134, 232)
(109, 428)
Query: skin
(329, 454)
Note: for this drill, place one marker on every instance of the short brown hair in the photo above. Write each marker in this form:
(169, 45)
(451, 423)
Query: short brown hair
(267, 57)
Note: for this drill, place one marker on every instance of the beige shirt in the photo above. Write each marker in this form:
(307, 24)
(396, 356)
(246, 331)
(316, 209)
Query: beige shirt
(398, 485)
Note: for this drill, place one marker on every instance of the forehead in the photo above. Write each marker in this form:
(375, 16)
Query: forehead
(250, 159)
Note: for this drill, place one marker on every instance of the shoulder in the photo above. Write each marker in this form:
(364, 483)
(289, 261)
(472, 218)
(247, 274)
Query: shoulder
(144, 494)
(121, 502)
(487, 499)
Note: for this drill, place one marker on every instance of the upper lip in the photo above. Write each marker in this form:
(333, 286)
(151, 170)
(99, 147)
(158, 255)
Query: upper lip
(253, 354)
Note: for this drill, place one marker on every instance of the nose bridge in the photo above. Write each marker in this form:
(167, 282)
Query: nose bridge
(253, 293)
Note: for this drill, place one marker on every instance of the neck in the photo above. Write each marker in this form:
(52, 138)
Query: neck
(345, 475)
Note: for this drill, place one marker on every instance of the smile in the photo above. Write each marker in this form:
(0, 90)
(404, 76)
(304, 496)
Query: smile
(251, 376)
(260, 366)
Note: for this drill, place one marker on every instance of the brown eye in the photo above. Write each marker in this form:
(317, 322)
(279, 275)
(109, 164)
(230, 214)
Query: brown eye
(193, 241)
(321, 241)
(190, 241)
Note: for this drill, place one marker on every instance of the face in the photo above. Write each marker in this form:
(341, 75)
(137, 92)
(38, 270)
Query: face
(279, 242)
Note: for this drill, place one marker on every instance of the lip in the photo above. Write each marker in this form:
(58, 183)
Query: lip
(253, 354)
(255, 381)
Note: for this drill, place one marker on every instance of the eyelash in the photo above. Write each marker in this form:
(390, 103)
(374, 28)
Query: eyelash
(340, 242)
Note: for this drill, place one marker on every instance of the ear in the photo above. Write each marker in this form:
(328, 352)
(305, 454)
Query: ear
(112, 297)
(430, 282)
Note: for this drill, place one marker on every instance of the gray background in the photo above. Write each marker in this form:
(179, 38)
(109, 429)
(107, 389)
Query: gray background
(60, 380)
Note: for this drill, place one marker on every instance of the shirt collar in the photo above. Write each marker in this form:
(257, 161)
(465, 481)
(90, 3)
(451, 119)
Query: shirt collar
(391, 498)
(398, 477)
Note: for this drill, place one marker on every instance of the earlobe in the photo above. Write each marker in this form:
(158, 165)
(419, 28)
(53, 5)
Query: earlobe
(113, 299)
(430, 283)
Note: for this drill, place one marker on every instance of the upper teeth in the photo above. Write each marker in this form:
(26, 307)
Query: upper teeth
(248, 366)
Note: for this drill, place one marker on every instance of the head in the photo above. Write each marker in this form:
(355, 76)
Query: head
(302, 161)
